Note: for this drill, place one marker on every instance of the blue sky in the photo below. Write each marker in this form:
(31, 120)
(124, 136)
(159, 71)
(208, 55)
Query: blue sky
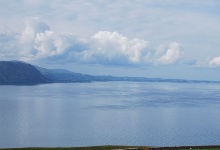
(149, 38)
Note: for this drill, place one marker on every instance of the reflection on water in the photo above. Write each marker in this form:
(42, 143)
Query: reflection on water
(121, 113)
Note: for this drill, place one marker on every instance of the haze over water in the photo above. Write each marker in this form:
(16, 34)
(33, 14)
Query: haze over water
(110, 113)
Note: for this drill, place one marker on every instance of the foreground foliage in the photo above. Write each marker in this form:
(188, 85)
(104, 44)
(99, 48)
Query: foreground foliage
(82, 148)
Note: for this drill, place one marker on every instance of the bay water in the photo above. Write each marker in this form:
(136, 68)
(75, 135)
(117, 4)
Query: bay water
(109, 113)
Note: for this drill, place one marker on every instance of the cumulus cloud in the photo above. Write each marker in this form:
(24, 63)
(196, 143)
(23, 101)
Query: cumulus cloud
(171, 55)
(38, 42)
(33, 26)
(114, 48)
(215, 62)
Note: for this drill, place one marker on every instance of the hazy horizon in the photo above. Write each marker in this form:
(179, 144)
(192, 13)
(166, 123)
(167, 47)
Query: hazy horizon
(156, 39)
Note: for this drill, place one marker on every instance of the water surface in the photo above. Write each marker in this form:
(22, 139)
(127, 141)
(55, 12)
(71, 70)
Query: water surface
(110, 113)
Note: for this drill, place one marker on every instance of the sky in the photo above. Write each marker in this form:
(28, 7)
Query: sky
(149, 38)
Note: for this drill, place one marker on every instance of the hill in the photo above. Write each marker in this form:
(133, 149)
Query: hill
(64, 76)
(19, 73)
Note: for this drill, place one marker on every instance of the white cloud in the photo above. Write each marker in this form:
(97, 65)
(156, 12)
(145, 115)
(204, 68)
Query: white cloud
(37, 42)
(193, 24)
(47, 44)
(33, 26)
(114, 48)
(215, 62)
(171, 55)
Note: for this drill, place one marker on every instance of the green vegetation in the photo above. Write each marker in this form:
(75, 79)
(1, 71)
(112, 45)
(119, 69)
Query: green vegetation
(82, 148)
(202, 149)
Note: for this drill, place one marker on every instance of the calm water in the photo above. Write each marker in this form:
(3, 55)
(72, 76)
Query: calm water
(106, 113)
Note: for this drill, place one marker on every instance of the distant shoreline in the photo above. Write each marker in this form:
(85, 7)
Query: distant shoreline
(21, 73)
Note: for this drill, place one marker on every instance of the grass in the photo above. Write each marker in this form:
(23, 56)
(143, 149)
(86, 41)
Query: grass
(80, 148)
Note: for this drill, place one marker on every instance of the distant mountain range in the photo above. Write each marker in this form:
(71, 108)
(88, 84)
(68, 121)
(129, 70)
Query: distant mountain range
(21, 73)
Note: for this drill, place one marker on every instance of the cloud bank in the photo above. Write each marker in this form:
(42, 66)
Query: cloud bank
(38, 43)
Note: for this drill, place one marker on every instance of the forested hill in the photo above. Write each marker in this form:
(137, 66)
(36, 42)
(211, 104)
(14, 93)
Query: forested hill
(19, 73)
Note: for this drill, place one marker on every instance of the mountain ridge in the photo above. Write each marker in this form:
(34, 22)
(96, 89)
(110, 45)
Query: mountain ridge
(21, 73)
